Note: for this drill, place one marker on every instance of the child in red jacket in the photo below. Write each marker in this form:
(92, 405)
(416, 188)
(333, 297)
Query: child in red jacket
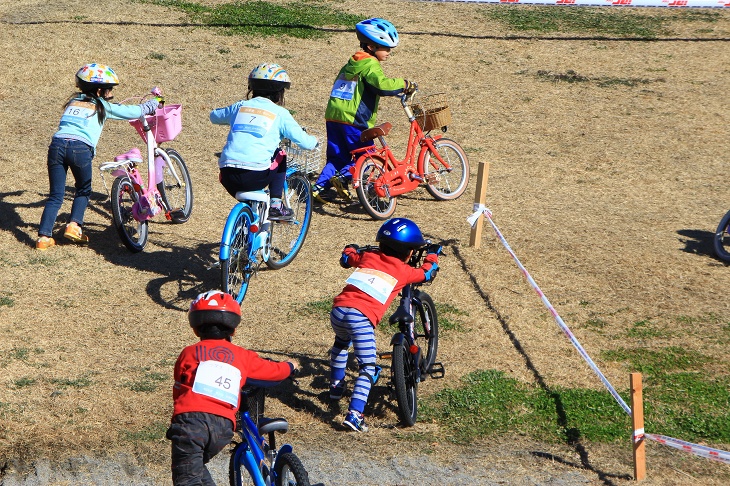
(378, 277)
(208, 380)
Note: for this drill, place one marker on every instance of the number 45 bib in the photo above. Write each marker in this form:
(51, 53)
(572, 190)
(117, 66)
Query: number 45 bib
(375, 283)
(218, 380)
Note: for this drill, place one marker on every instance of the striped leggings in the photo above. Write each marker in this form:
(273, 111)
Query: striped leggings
(351, 326)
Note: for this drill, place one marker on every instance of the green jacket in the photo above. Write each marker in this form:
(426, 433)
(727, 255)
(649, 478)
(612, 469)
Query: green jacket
(357, 90)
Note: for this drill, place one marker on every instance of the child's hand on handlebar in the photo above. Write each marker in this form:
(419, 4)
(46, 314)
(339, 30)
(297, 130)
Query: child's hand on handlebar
(411, 87)
(149, 107)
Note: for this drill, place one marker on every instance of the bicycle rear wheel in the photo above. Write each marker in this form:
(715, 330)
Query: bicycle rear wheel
(178, 196)
(441, 183)
(721, 240)
(237, 269)
(287, 237)
(290, 471)
(404, 380)
(426, 329)
(132, 232)
(370, 175)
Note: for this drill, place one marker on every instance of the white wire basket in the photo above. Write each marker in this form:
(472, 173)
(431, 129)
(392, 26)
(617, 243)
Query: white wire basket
(304, 161)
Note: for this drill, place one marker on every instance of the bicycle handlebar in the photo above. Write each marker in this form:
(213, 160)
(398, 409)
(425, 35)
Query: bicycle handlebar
(418, 253)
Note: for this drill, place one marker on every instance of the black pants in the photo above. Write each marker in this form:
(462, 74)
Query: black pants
(238, 180)
(196, 438)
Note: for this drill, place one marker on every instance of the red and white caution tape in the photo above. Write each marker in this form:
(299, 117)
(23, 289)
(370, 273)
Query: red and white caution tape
(696, 449)
(609, 3)
(479, 209)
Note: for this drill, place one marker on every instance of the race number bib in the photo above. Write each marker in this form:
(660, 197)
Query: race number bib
(344, 89)
(255, 121)
(79, 112)
(375, 283)
(218, 380)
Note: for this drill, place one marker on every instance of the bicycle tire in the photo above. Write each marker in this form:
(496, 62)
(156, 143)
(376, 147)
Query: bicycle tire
(371, 170)
(404, 381)
(721, 240)
(178, 198)
(133, 233)
(287, 237)
(237, 269)
(290, 471)
(237, 473)
(446, 185)
(426, 328)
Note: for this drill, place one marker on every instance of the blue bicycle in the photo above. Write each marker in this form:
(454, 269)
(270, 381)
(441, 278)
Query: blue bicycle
(257, 461)
(250, 238)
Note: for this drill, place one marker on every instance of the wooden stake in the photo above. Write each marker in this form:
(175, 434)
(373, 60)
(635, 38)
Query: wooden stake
(637, 422)
(480, 198)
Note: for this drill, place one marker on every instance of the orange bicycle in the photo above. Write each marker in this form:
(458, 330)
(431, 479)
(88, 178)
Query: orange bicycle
(379, 177)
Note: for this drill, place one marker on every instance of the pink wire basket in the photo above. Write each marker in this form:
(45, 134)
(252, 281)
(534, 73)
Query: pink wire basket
(165, 125)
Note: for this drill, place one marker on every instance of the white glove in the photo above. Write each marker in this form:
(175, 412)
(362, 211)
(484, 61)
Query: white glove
(149, 107)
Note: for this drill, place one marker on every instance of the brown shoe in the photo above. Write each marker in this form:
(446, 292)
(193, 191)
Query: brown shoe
(73, 232)
(44, 243)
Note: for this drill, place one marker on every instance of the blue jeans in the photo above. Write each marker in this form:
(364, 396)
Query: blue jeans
(342, 139)
(64, 154)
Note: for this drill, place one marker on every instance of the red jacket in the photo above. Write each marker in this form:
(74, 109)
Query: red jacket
(404, 274)
(224, 361)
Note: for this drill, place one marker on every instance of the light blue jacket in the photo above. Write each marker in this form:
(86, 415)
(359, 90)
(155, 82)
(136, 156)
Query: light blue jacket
(80, 122)
(257, 127)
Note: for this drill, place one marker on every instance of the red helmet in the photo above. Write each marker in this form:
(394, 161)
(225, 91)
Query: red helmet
(214, 307)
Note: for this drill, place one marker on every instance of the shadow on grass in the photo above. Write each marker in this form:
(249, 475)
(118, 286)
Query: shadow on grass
(572, 434)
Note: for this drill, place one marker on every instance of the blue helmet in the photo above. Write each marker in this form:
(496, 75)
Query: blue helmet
(400, 234)
(378, 31)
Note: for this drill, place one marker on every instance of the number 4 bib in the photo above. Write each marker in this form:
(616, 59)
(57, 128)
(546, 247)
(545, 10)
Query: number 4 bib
(218, 380)
(375, 283)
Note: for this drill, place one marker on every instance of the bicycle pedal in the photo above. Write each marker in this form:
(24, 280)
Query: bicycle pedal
(386, 355)
(436, 371)
(213, 265)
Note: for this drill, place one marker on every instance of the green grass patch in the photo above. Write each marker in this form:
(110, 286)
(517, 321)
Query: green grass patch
(489, 403)
(573, 77)
(148, 383)
(82, 382)
(6, 301)
(155, 431)
(449, 317)
(24, 382)
(645, 329)
(648, 361)
(302, 19)
(318, 308)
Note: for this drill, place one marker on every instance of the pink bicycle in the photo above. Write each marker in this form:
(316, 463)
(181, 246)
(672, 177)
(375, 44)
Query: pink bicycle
(167, 190)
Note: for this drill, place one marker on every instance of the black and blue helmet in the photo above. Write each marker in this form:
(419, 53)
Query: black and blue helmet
(400, 234)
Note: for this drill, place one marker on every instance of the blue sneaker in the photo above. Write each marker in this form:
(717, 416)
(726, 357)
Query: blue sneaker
(355, 421)
(376, 377)
(337, 391)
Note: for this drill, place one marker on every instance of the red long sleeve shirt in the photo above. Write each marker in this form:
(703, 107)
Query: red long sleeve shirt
(216, 389)
(402, 274)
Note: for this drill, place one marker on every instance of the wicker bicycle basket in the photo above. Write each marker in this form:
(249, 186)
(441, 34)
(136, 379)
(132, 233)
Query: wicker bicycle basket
(432, 112)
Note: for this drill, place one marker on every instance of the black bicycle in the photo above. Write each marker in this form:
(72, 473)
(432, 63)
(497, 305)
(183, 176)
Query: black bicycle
(721, 241)
(415, 345)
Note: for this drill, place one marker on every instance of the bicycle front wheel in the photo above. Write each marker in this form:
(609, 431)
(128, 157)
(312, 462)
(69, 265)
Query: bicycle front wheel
(721, 241)
(442, 183)
(132, 232)
(426, 329)
(287, 237)
(236, 270)
(404, 380)
(178, 196)
(238, 475)
(370, 175)
(290, 471)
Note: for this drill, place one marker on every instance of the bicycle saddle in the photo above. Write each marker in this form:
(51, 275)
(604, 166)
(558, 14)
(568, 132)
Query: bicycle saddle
(261, 196)
(267, 425)
(375, 132)
(401, 314)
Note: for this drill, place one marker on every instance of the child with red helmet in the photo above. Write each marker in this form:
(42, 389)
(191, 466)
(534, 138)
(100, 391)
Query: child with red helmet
(208, 380)
(74, 144)
(378, 277)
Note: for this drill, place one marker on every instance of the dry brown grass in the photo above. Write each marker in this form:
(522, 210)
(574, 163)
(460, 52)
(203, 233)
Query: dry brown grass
(607, 194)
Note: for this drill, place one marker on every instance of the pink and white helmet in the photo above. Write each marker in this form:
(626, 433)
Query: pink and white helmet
(94, 76)
(268, 77)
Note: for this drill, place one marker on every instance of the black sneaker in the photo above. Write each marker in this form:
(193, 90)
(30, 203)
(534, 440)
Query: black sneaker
(281, 214)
